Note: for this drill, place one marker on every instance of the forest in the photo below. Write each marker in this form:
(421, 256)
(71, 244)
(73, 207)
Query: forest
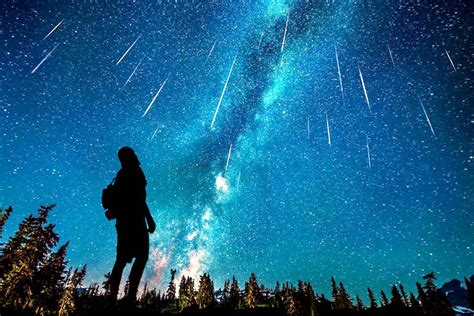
(35, 280)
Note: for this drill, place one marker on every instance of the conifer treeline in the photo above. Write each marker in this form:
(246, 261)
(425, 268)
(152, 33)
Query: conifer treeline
(34, 279)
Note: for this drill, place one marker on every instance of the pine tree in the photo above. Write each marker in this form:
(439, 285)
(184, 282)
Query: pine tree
(289, 301)
(251, 292)
(205, 295)
(4, 215)
(22, 259)
(360, 305)
(234, 293)
(335, 293)
(106, 283)
(277, 295)
(436, 302)
(415, 304)
(421, 295)
(344, 298)
(372, 300)
(384, 300)
(225, 292)
(405, 299)
(470, 291)
(171, 291)
(49, 281)
(396, 300)
(67, 304)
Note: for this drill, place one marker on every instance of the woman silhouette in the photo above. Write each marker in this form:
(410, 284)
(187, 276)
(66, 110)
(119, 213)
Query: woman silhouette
(132, 233)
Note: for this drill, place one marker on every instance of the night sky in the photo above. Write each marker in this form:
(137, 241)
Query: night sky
(296, 140)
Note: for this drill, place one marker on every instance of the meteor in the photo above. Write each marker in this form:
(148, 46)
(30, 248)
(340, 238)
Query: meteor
(363, 87)
(133, 72)
(391, 56)
(212, 49)
(154, 133)
(126, 52)
(368, 152)
(44, 59)
(154, 98)
(223, 91)
(284, 34)
(54, 29)
(260, 41)
(328, 129)
(450, 60)
(228, 158)
(427, 118)
(238, 180)
(339, 73)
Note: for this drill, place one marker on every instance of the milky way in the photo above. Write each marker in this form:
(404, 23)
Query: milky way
(296, 140)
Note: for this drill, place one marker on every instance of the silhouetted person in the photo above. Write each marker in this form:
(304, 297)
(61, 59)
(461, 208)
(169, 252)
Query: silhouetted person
(133, 216)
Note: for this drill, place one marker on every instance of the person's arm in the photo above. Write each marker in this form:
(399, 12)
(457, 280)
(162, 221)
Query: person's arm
(149, 220)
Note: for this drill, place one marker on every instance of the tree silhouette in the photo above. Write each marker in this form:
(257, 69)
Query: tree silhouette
(171, 291)
(372, 300)
(205, 295)
(234, 293)
(384, 300)
(251, 292)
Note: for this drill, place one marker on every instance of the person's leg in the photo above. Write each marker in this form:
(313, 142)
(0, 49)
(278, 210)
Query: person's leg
(116, 276)
(135, 276)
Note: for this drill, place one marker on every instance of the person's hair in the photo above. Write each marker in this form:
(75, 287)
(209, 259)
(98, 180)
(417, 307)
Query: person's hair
(127, 157)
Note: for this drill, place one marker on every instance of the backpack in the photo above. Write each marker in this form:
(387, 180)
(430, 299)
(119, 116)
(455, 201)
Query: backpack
(109, 200)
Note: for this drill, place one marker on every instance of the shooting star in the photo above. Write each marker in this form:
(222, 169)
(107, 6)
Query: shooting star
(328, 129)
(368, 152)
(260, 40)
(284, 34)
(450, 60)
(308, 129)
(44, 59)
(212, 49)
(54, 29)
(223, 92)
(126, 52)
(391, 55)
(156, 131)
(427, 118)
(133, 72)
(228, 158)
(238, 180)
(363, 87)
(339, 73)
(154, 98)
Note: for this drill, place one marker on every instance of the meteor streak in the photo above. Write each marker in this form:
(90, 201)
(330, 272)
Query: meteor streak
(154, 98)
(391, 56)
(260, 41)
(427, 118)
(223, 91)
(284, 34)
(54, 29)
(339, 73)
(328, 129)
(228, 158)
(44, 59)
(133, 72)
(156, 131)
(126, 52)
(368, 152)
(363, 87)
(450, 60)
(212, 49)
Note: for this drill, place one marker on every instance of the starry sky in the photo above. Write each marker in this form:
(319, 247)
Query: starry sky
(293, 139)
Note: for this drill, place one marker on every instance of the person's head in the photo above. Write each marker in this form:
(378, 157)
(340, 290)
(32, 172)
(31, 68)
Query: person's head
(127, 157)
